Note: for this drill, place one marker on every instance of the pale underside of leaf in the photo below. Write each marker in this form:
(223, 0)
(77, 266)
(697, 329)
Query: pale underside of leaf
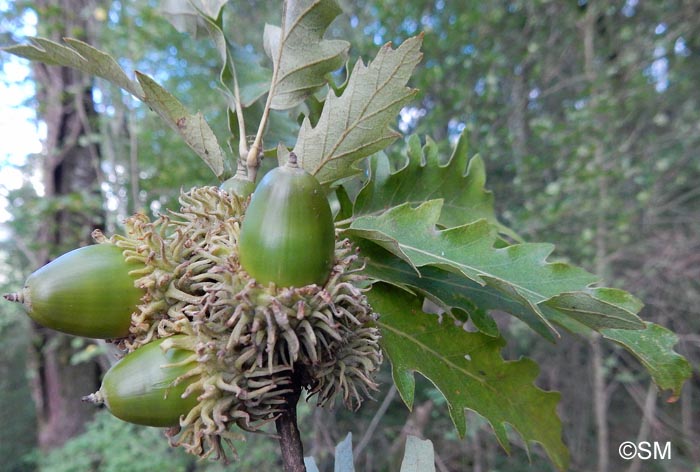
(356, 124)
(79, 55)
(343, 455)
(301, 57)
(188, 16)
(310, 464)
(242, 77)
(193, 128)
(419, 455)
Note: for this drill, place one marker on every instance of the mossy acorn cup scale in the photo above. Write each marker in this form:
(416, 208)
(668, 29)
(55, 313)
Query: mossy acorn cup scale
(85, 292)
(287, 236)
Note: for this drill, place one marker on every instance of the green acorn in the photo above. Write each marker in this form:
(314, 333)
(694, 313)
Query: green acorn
(254, 341)
(147, 386)
(287, 236)
(86, 292)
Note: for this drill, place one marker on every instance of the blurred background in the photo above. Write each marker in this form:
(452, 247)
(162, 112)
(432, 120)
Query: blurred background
(587, 115)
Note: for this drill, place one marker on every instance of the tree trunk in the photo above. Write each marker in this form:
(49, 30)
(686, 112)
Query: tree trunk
(600, 405)
(600, 396)
(687, 421)
(517, 118)
(648, 417)
(71, 169)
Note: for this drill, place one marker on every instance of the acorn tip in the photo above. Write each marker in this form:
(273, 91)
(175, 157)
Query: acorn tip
(94, 398)
(14, 297)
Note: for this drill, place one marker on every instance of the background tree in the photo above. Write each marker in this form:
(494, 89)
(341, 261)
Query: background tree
(73, 205)
(586, 118)
(574, 110)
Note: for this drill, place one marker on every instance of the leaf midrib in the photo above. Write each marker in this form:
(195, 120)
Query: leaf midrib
(424, 347)
(330, 155)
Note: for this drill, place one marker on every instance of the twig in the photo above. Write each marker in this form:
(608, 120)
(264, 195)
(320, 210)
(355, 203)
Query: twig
(242, 139)
(375, 421)
(288, 431)
(252, 160)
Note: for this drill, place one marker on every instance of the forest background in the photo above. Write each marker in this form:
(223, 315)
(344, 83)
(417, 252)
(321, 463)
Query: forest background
(587, 117)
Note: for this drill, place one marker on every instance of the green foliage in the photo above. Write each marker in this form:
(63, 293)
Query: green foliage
(18, 436)
(355, 124)
(520, 272)
(461, 297)
(459, 182)
(468, 370)
(653, 346)
(111, 445)
(427, 225)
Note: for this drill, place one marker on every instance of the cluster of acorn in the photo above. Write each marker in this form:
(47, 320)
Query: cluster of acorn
(224, 308)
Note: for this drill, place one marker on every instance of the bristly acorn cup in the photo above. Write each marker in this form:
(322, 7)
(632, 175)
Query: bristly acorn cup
(253, 340)
(244, 334)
